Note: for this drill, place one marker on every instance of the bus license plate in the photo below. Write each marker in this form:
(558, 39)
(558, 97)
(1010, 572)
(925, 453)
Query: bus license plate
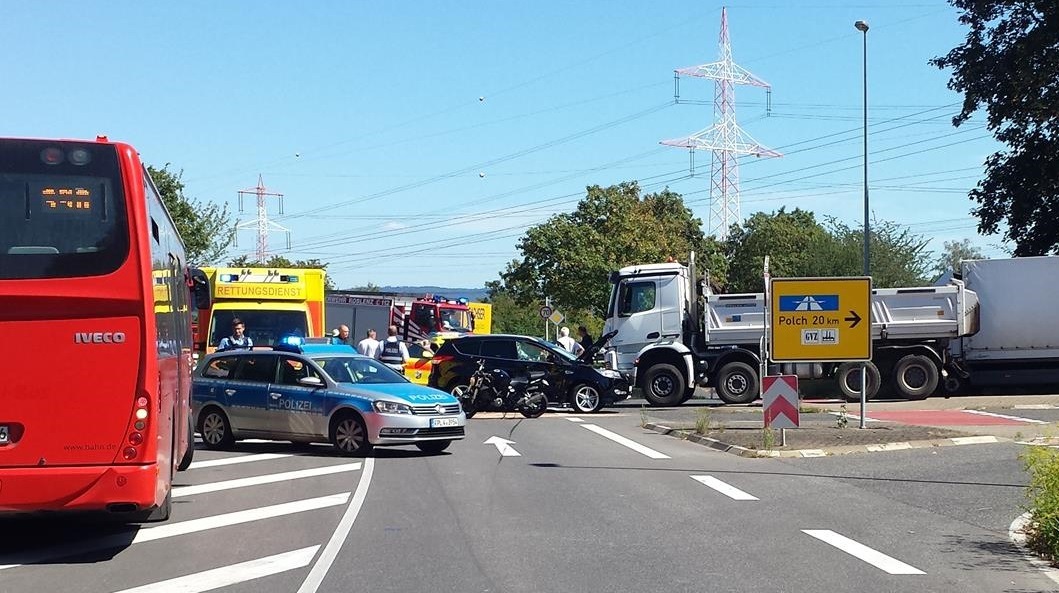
(443, 422)
(4, 432)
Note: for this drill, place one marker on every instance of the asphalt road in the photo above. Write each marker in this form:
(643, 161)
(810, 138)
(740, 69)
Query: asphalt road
(574, 510)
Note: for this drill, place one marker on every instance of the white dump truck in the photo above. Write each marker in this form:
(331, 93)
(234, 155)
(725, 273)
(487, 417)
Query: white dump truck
(674, 334)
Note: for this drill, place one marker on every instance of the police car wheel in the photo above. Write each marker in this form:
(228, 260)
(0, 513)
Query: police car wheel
(215, 429)
(349, 435)
(433, 447)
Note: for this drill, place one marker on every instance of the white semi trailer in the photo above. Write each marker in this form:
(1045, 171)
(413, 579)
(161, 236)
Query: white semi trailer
(1017, 343)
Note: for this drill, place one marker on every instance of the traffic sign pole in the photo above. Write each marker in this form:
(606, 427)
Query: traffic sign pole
(863, 393)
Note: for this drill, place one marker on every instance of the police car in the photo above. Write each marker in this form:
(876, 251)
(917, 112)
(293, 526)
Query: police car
(308, 393)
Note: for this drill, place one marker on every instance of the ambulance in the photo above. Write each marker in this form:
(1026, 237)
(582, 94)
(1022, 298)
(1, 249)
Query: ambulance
(272, 303)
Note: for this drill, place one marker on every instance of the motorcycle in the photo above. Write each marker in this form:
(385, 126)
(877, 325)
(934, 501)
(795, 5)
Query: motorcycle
(497, 391)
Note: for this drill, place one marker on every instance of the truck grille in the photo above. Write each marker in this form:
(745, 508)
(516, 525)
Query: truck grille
(432, 410)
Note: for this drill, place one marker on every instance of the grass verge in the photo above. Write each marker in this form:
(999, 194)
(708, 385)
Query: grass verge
(1042, 532)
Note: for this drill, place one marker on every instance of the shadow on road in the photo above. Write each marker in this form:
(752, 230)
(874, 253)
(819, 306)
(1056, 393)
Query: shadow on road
(85, 539)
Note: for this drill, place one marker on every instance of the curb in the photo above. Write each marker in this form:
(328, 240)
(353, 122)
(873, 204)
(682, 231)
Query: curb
(688, 435)
(1017, 535)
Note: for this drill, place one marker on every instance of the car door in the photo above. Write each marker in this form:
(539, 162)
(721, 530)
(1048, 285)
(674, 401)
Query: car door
(293, 405)
(537, 358)
(247, 392)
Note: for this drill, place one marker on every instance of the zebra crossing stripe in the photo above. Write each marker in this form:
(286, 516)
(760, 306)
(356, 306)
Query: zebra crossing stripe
(147, 534)
(231, 575)
(265, 479)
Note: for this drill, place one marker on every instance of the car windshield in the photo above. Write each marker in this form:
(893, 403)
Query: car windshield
(358, 370)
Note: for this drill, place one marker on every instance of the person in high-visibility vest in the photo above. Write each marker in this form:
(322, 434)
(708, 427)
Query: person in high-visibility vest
(393, 352)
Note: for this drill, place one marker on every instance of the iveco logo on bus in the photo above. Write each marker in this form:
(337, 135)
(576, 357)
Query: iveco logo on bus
(99, 337)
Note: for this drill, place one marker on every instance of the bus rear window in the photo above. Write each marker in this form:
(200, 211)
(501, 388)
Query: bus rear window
(62, 210)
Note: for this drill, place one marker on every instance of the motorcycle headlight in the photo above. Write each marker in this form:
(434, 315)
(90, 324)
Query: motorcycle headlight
(385, 407)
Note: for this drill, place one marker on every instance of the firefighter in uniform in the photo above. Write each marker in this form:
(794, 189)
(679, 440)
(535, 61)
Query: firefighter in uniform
(392, 352)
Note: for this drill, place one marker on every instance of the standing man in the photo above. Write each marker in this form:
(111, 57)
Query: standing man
(393, 353)
(585, 339)
(343, 336)
(238, 340)
(569, 344)
(369, 346)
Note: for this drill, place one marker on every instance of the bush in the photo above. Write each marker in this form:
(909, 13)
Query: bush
(1042, 533)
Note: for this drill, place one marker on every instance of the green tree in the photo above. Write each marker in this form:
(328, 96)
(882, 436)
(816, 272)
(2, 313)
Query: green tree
(278, 261)
(1009, 62)
(790, 239)
(800, 246)
(955, 252)
(511, 317)
(899, 257)
(570, 256)
(369, 287)
(206, 228)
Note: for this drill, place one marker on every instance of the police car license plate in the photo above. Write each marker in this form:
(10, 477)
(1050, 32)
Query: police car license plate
(4, 432)
(443, 422)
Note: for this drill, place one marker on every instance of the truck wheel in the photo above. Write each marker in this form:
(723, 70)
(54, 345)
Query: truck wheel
(663, 385)
(915, 376)
(736, 383)
(848, 377)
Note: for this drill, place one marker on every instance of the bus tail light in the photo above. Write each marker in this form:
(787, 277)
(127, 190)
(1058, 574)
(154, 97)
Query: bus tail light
(135, 437)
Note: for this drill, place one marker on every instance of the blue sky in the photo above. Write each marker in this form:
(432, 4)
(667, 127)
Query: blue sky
(367, 117)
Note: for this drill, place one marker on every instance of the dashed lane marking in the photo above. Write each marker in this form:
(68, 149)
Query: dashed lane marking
(617, 438)
(862, 552)
(724, 488)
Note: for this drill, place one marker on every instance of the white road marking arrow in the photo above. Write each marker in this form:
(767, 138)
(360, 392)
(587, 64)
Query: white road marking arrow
(503, 446)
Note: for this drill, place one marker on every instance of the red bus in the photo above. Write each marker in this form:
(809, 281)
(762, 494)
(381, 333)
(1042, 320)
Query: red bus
(95, 333)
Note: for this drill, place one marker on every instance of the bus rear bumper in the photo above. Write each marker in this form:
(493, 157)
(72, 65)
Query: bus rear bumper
(84, 488)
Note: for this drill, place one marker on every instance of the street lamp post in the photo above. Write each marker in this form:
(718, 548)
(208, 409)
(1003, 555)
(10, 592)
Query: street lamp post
(862, 26)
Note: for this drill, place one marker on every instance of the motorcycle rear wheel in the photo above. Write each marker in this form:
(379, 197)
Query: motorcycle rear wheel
(537, 410)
